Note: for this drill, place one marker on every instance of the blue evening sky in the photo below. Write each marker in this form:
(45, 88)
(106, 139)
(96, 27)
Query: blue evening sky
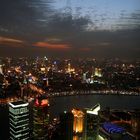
(105, 14)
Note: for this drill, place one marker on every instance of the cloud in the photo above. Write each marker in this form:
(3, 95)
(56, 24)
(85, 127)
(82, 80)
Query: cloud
(11, 42)
(46, 29)
(52, 46)
(5, 39)
(53, 40)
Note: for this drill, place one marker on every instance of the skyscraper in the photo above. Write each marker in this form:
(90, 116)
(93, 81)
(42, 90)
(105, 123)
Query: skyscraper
(19, 120)
(40, 119)
(78, 123)
(92, 123)
(66, 126)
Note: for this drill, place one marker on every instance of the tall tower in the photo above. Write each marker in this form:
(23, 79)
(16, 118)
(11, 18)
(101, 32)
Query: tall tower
(40, 119)
(78, 120)
(78, 124)
(135, 123)
(66, 125)
(19, 120)
(85, 77)
(98, 72)
(92, 123)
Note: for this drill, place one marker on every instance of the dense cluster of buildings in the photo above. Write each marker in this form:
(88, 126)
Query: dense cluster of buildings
(61, 75)
(27, 123)
(26, 85)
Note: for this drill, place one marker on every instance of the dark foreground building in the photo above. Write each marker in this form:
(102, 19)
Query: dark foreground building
(40, 119)
(66, 126)
(19, 120)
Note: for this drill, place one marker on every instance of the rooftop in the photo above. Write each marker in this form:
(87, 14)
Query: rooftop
(18, 104)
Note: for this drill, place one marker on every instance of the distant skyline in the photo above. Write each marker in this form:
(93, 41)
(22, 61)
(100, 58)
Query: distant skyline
(70, 28)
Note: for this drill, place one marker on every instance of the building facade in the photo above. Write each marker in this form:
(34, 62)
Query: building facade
(19, 120)
(66, 126)
(91, 123)
(40, 119)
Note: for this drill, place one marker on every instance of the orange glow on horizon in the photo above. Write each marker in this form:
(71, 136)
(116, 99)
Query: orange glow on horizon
(11, 42)
(51, 45)
(6, 39)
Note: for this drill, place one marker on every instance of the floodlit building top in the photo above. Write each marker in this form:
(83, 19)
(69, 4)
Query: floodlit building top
(18, 104)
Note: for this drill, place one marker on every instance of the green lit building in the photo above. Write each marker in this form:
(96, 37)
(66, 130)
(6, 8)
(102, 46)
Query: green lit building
(40, 119)
(19, 120)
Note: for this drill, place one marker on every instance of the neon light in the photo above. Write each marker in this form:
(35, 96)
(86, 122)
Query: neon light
(112, 128)
(43, 102)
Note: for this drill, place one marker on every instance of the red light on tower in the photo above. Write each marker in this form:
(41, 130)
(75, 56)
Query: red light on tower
(42, 103)
(41, 118)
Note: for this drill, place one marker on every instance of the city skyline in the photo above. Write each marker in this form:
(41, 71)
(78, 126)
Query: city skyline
(82, 28)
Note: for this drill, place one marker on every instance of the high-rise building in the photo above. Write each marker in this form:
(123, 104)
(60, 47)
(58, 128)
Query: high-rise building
(85, 77)
(91, 123)
(40, 119)
(19, 120)
(66, 126)
(78, 123)
(69, 69)
(45, 82)
(135, 122)
(98, 72)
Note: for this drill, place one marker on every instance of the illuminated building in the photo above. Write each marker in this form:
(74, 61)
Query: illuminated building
(91, 123)
(78, 123)
(1, 70)
(69, 69)
(66, 126)
(41, 119)
(69, 66)
(112, 128)
(85, 77)
(43, 69)
(54, 66)
(98, 72)
(94, 110)
(75, 138)
(19, 120)
(116, 132)
(45, 82)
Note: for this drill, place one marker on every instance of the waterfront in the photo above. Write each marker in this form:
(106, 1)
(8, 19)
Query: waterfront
(59, 104)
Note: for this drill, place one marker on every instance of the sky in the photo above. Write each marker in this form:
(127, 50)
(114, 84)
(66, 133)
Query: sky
(70, 28)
